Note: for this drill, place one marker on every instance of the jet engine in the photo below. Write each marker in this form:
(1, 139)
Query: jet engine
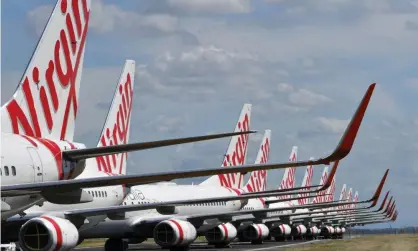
(299, 230)
(280, 230)
(327, 231)
(48, 233)
(337, 230)
(312, 231)
(255, 233)
(222, 234)
(170, 233)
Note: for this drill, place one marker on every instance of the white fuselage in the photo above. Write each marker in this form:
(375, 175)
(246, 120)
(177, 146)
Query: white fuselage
(28, 160)
(163, 192)
(102, 197)
(253, 204)
(280, 205)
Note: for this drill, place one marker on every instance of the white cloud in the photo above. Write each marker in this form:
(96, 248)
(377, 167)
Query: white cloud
(305, 97)
(108, 17)
(292, 38)
(331, 6)
(212, 6)
(38, 17)
(331, 125)
(284, 87)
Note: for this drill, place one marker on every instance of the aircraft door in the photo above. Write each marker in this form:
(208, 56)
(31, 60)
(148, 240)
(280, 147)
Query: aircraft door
(36, 164)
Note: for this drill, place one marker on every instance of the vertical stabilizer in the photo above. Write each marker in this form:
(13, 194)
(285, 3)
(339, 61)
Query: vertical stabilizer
(342, 195)
(349, 197)
(258, 179)
(330, 191)
(306, 183)
(355, 199)
(116, 127)
(45, 102)
(288, 180)
(320, 198)
(235, 154)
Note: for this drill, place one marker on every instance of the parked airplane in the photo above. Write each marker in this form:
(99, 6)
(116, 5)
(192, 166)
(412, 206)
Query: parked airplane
(342, 150)
(38, 122)
(118, 119)
(190, 218)
(165, 226)
(309, 218)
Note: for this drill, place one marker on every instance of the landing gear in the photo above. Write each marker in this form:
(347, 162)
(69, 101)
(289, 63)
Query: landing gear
(116, 245)
(280, 238)
(257, 242)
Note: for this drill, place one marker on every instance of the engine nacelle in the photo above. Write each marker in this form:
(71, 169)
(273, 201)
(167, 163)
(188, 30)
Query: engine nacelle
(343, 230)
(48, 233)
(313, 231)
(280, 230)
(173, 232)
(255, 232)
(223, 233)
(298, 230)
(327, 231)
(337, 230)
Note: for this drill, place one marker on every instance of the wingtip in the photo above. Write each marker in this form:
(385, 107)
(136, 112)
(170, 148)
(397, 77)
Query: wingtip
(347, 141)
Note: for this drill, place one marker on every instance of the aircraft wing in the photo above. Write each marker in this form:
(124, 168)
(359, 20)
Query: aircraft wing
(342, 150)
(166, 207)
(86, 153)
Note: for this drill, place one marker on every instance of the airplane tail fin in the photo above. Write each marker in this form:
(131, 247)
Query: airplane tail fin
(45, 102)
(258, 179)
(343, 195)
(355, 199)
(343, 192)
(235, 154)
(306, 182)
(349, 197)
(288, 180)
(117, 125)
(331, 191)
(320, 198)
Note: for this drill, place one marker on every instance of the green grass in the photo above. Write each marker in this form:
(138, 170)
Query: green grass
(399, 242)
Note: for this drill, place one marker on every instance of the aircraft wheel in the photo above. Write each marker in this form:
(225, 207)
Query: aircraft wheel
(116, 245)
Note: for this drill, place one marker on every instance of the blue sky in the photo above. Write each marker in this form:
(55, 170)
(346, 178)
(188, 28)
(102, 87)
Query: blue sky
(304, 65)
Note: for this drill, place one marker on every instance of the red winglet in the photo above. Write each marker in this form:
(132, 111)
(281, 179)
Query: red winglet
(383, 202)
(331, 176)
(379, 189)
(347, 140)
(389, 205)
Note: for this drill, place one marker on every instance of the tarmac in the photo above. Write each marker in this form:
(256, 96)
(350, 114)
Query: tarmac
(235, 246)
